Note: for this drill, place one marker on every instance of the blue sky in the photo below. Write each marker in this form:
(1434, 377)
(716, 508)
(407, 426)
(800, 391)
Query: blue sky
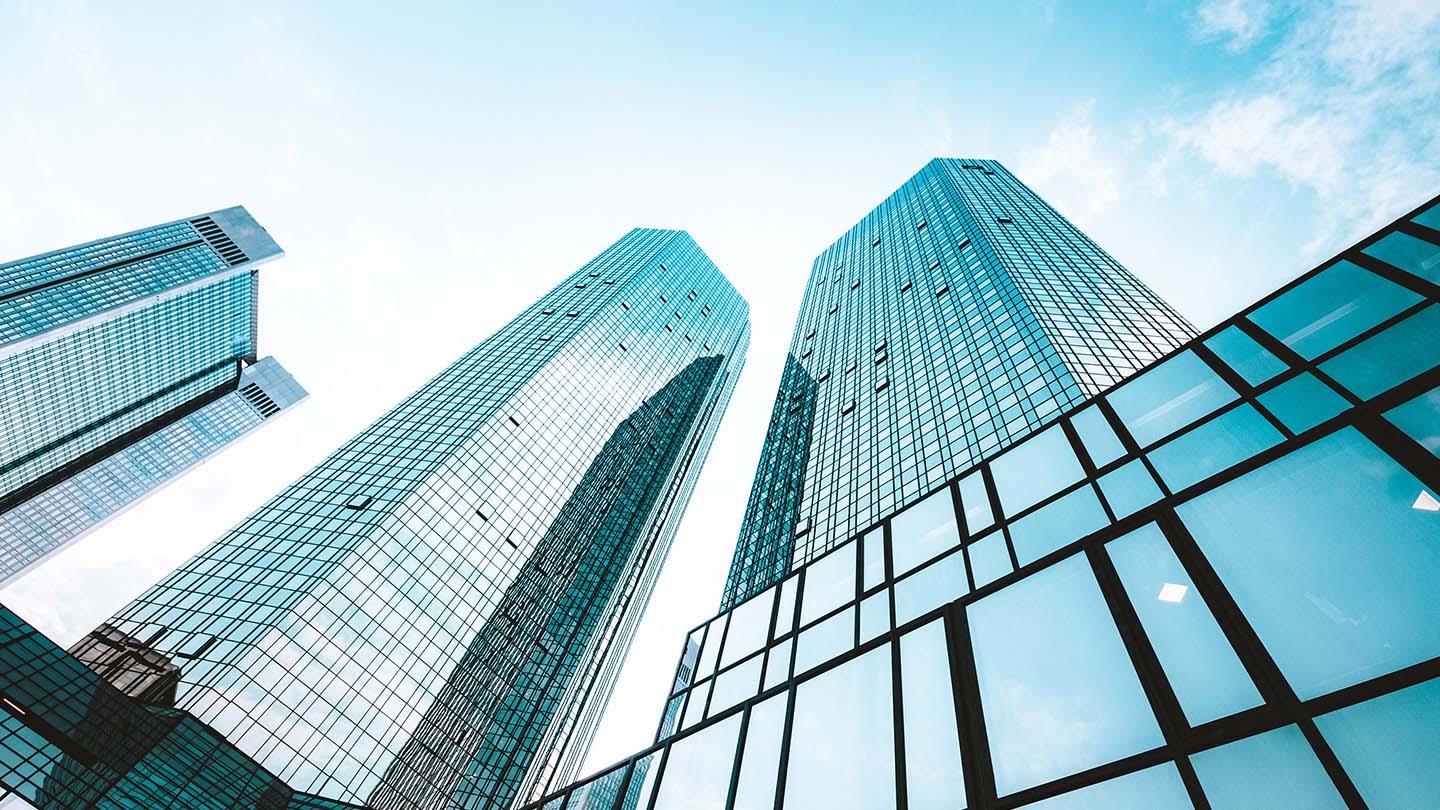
(432, 169)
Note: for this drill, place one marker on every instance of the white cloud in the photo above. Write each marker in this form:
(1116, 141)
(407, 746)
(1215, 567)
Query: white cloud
(1241, 21)
(1069, 168)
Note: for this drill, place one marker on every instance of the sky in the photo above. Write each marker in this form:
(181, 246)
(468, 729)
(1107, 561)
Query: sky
(432, 168)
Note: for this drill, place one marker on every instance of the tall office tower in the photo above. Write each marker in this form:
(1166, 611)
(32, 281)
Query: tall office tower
(122, 363)
(1210, 585)
(959, 314)
(434, 616)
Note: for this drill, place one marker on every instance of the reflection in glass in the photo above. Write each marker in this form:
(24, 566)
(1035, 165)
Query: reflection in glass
(785, 607)
(1331, 307)
(736, 684)
(1214, 446)
(1420, 419)
(874, 616)
(749, 626)
(1303, 402)
(923, 531)
(1058, 691)
(1156, 788)
(1129, 489)
(778, 668)
(933, 779)
(1202, 667)
(1242, 353)
(695, 708)
(697, 771)
(874, 571)
(710, 653)
(829, 583)
(989, 559)
(1389, 747)
(844, 759)
(1408, 253)
(1274, 769)
(760, 764)
(975, 500)
(1329, 560)
(1052, 526)
(1169, 396)
(937, 584)
(1034, 470)
(1385, 360)
(825, 640)
(1098, 437)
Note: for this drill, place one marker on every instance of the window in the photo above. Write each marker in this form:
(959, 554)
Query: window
(760, 764)
(844, 759)
(1303, 402)
(1215, 446)
(735, 685)
(1129, 489)
(874, 548)
(1389, 358)
(1056, 524)
(933, 779)
(829, 583)
(923, 531)
(1169, 396)
(1036, 469)
(975, 500)
(1048, 641)
(1274, 769)
(1331, 307)
(697, 770)
(749, 627)
(1098, 437)
(989, 559)
(1420, 418)
(1388, 745)
(1156, 788)
(937, 584)
(1408, 253)
(1242, 353)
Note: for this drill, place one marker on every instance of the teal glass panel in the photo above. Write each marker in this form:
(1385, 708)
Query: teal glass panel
(1098, 437)
(642, 781)
(874, 616)
(1420, 419)
(1331, 307)
(1274, 769)
(933, 779)
(760, 764)
(1332, 552)
(937, 584)
(874, 571)
(1430, 217)
(1051, 527)
(829, 583)
(1199, 662)
(1156, 788)
(1253, 362)
(749, 627)
(844, 759)
(975, 500)
(735, 685)
(923, 531)
(825, 640)
(1389, 358)
(1409, 253)
(989, 559)
(1215, 446)
(1169, 396)
(697, 770)
(1303, 402)
(1036, 469)
(777, 670)
(1058, 691)
(1389, 746)
(1129, 489)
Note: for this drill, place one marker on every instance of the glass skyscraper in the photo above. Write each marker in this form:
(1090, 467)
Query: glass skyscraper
(1210, 584)
(124, 362)
(434, 616)
(960, 314)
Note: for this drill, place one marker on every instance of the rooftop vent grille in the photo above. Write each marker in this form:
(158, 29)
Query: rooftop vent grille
(220, 241)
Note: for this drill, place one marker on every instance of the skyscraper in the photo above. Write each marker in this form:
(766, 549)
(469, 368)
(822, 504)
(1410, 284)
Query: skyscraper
(434, 615)
(124, 362)
(1209, 585)
(958, 315)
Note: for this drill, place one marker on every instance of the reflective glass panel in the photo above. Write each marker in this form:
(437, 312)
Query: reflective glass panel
(874, 571)
(1207, 676)
(1389, 746)
(778, 669)
(930, 588)
(1169, 397)
(1157, 788)
(1098, 437)
(933, 779)
(642, 781)
(749, 627)
(844, 759)
(1274, 769)
(1389, 358)
(829, 583)
(1068, 518)
(1333, 553)
(1038, 468)
(825, 640)
(697, 771)
(989, 559)
(874, 616)
(597, 794)
(1303, 402)
(923, 531)
(760, 765)
(1408, 253)
(785, 607)
(1129, 489)
(736, 684)
(1214, 446)
(1331, 307)
(1247, 357)
(976, 503)
(1058, 691)
(710, 653)
(1430, 217)
(1420, 419)
(695, 707)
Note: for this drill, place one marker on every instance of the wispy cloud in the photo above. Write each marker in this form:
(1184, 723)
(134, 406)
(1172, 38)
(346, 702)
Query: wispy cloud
(1070, 168)
(1240, 22)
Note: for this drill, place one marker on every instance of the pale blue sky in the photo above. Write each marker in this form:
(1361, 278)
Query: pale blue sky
(433, 168)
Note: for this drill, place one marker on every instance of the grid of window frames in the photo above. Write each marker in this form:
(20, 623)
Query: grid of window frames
(957, 316)
(1211, 587)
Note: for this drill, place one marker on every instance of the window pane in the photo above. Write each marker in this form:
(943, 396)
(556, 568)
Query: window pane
(976, 503)
(1408, 253)
(749, 627)
(737, 684)
(785, 610)
(825, 640)
(642, 781)
(1157, 788)
(874, 572)
(1058, 691)
(1129, 489)
(1420, 418)
(1328, 309)
(1169, 397)
(760, 765)
(1274, 769)
(711, 651)
(1098, 437)
(829, 583)
(1430, 217)
(1207, 676)
(1215, 446)
(846, 758)
(923, 531)
(989, 560)
(874, 616)
(1303, 403)
(695, 707)
(778, 669)
(1069, 518)
(1389, 747)
(1389, 358)
(697, 771)
(1038, 468)
(930, 588)
(933, 779)
(1242, 353)
(1333, 556)
(598, 794)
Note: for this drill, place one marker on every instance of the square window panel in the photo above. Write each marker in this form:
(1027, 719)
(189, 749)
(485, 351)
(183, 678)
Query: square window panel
(1332, 307)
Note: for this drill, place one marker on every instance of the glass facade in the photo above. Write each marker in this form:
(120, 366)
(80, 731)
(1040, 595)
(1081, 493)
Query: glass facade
(959, 315)
(434, 616)
(1211, 585)
(121, 364)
